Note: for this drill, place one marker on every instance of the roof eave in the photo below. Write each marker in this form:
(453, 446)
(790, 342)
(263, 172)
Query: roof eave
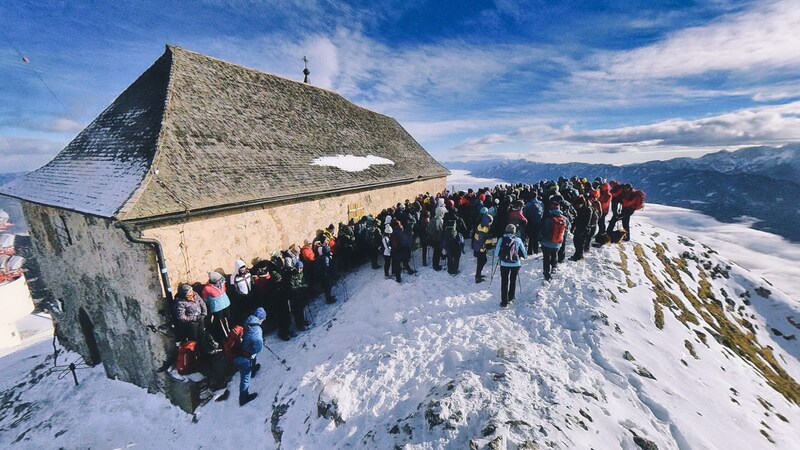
(283, 198)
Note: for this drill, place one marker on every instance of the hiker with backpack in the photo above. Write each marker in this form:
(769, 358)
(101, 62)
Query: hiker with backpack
(581, 227)
(510, 251)
(244, 355)
(218, 303)
(435, 230)
(453, 232)
(631, 200)
(479, 240)
(401, 245)
(422, 232)
(533, 211)
(552, 234)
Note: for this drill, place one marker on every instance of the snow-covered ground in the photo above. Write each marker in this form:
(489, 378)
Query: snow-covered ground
(660, 340)
(435, 363)
(765, 254)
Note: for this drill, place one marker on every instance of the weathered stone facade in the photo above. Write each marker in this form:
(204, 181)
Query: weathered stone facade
(108, 289)
(200, 244)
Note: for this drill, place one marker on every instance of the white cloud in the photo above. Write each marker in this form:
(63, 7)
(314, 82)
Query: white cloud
(765, 125)
(761, 39)
(23, 154)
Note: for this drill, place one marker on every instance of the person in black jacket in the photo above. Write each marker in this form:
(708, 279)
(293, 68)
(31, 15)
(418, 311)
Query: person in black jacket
(581, 226)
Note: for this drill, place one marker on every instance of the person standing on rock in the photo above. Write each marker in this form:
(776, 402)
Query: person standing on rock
(511, 251)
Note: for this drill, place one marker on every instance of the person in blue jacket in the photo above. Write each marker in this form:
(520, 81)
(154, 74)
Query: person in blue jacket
(252, 344)
(510, 251)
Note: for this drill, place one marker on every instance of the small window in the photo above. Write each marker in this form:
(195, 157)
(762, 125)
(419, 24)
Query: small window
(355, 211)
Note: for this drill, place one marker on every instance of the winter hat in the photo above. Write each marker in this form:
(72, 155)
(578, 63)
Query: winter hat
(260, 313)
(484, 210)
(331, 227)
(511, 228)
(214, 276)
(440, 202)
(388, 229)
(306, 242)
(298, 265)
(183, 290)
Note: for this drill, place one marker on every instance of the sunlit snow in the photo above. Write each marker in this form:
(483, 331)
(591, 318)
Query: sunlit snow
(351, 163)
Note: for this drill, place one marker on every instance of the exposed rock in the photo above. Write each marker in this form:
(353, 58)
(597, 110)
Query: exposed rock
(644, 372)
(627, 355)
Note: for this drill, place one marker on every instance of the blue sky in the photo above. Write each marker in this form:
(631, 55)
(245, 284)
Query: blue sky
(593, 81)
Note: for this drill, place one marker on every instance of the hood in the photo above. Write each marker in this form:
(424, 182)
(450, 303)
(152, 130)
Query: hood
(252, 321)
(556, 212)
(239, 264)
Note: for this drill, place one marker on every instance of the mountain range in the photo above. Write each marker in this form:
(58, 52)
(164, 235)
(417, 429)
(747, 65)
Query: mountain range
(760, 185)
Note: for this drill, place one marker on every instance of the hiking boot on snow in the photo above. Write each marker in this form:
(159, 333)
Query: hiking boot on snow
(246, 397)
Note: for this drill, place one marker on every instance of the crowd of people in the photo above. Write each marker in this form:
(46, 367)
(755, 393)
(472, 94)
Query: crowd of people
(511, 221)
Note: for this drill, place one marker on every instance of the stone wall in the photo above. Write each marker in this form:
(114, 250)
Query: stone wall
(90, 266)
(213, 242)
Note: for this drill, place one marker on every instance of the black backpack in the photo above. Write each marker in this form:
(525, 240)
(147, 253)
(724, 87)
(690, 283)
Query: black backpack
(509, 250)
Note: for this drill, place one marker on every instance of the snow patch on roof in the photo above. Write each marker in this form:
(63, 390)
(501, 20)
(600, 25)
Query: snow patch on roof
(351, 163)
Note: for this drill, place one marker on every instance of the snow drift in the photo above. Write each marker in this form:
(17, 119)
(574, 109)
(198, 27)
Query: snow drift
(658, 343)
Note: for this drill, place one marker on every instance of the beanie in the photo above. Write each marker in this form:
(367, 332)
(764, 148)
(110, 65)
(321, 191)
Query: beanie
(260, 313)
(388, 229)
(183, 290)
(511, 228)
(214, 277)
(484, 210)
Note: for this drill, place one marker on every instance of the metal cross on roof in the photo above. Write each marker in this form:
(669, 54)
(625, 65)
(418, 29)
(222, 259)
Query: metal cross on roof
(306, 72)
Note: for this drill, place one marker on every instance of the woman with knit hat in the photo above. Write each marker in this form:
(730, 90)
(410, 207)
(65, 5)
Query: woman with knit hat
(510, 251)
(189, 314)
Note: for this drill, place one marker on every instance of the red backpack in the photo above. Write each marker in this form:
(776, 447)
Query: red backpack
(187, 358)
(559, 227)
(232, 347)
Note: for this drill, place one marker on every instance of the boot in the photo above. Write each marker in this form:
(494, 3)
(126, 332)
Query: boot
(246, 397)
(255, 370)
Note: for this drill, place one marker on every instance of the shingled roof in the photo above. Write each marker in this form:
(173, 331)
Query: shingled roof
(194, 133)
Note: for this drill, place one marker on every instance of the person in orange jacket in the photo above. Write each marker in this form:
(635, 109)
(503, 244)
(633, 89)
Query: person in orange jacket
(631, 201)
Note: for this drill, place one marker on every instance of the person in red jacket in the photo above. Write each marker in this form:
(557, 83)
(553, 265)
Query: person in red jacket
(308, 256)
(631, 201)
(605, 204)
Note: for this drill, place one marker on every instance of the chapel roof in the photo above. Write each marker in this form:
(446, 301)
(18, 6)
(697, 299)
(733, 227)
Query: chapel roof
(194, 133)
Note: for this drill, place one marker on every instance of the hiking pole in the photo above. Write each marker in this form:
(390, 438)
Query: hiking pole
(346, 294)
(494, 269)
(310, 312)
(282, 361)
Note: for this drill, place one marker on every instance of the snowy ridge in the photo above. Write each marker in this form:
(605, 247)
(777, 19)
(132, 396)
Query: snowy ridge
(659, 342)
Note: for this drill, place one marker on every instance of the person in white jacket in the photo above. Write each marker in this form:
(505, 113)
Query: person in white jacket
(387, 250)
